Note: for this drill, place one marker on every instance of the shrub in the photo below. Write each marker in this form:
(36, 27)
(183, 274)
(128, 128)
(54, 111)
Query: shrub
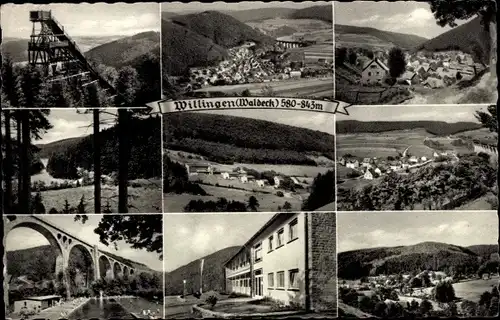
(211, 301)
(280, 194)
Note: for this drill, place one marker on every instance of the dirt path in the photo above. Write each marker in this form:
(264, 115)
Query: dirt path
(452, 95)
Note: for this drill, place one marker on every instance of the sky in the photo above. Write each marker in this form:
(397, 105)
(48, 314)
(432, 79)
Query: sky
(67, 123)
(188, 237)
(358, 230)
(402, 16)
(24, 238)
(245, 5)
(85, 19)
(455, 113)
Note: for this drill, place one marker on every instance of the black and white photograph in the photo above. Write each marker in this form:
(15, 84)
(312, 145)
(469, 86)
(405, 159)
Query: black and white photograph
(248, 160)
(418, 264)
(430, 157)
(408, 52)
(247, 48)
(250, 265)
(52, 168)
(83, 267)
(74, 50)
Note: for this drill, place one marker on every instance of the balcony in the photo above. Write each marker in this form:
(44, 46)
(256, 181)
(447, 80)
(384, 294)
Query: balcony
(240, 270)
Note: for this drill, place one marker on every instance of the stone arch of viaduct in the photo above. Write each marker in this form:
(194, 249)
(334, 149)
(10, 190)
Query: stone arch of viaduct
(103, 264)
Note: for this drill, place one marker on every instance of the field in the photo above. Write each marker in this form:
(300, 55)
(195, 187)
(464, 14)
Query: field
(144, 199)
(382, 145)
(319, 31)
(360, 41)
(267, 202)
(288, 88)
(472, 290)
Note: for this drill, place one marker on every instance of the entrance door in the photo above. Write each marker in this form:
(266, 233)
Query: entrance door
(259, 286)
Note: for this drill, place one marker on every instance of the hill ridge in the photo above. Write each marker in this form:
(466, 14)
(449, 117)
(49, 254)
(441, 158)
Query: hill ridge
(432, 127)
(354, 264)
(213, 273)
(403, 40)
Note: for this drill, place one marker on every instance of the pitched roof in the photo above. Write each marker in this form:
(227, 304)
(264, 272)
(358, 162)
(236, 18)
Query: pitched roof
(380, 63)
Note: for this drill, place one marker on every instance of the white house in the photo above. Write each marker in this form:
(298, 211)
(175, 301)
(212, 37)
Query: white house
(244, 179)
(225, 175)
(374, 72)
(435, 155)
(261, 183)
(277, 181)
(274, 262)
(352, 165)
(413, 159)
(368, 174)
(378, 171)
(423, 159)
(295, 180)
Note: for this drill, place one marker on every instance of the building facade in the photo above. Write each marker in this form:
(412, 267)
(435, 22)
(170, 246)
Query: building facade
(374, 72)
(291, 259)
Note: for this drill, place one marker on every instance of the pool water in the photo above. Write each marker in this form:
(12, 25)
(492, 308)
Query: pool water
(101, 309)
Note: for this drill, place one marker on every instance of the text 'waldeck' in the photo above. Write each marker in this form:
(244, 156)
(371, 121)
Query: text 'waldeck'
(254, 103)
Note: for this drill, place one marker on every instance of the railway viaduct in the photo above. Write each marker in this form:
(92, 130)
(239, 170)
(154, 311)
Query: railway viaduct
(103, 264)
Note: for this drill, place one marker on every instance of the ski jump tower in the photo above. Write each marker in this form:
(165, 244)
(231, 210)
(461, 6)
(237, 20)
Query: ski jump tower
(53, 49)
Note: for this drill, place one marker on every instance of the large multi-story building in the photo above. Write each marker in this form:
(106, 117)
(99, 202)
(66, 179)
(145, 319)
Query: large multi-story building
(292, 259)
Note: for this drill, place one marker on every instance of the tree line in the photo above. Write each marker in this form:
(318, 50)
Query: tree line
(27, 87)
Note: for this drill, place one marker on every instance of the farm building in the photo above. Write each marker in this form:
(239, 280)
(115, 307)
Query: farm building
(244, 179)
(225, 175)
(352, 165)
(413, 159)
(370, 174)
(374, 72)
(410, 77)
(295, 74)
(36, 303)
(367, 163)
(277, 181)
(433, 83)
(199, 168)
(276, 262)
(261, 183)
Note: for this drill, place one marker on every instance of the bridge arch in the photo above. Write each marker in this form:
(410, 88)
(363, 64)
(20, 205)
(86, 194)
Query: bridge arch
(105, 267)
(117, 270)
(126, 271)
(86, 267)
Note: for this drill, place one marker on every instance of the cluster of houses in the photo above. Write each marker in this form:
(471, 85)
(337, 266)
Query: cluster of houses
(395, 281)
(374, 167)
(433, 71)
(245, 64)
(240, 174)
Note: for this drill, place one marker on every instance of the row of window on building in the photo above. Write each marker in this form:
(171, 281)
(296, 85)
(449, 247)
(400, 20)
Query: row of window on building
(293, 277)
(280, 240)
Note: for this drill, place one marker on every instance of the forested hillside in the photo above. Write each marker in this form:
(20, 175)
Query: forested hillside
(406, 259)
(225, 139)
(439, 128)
(213, 274)
(145, 142)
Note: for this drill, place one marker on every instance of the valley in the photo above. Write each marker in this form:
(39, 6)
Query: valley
(221, 166)
(380, 67)
(262, 53)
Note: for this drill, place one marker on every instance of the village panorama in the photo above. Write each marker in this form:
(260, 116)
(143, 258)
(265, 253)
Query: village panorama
(437, 264)
(224, 50)
(248, 160)
(389, 54)
(391, 160)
